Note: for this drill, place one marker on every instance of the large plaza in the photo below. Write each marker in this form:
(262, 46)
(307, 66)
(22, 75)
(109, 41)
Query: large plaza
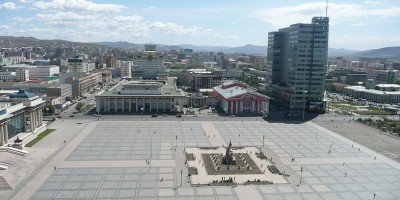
(134, 159)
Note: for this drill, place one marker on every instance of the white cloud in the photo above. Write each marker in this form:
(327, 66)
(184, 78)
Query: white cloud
(132, 18)
(64, 16)
(23, 19)
(149, 8)
(371, 2)
(284, 16)
(25, 1)
(8, 6)
(172, 28)
(77, 6)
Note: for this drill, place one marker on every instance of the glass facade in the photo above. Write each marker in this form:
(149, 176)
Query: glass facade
(15, 125)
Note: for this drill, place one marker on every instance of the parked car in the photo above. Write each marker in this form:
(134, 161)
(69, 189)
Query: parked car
(154, 115)
(178, 115)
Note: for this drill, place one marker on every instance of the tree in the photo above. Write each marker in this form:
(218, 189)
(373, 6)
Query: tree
(50, 109)
(79, 106)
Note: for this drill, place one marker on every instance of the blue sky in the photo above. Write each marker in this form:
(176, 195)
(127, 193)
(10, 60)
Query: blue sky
(354, 24)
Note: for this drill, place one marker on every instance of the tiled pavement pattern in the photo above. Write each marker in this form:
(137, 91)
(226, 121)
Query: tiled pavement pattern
(358, 179)
(287, 140)
(135, 141)
(123, 183)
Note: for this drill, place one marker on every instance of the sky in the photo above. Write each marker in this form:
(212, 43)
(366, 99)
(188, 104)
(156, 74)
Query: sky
(354, 24)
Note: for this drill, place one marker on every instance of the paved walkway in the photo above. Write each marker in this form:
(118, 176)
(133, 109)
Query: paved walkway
(323, 176)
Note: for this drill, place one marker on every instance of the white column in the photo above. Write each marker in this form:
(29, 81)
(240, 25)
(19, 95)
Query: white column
(241, 106)
(151, 101)
(31, 120)
(40, 116)
(157, 104)
(136, 105)
(258, 106)
(180, 104)
(144, 105)
(109, 105)
(1, 136)
(130, 104)
(5, 131)
(116, 105)
(123, 105)
(253, 106)
(237, 106)
(231, 111)
(164, 104)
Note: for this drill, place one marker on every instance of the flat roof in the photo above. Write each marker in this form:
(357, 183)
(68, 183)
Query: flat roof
(372, 91)
(168, 89)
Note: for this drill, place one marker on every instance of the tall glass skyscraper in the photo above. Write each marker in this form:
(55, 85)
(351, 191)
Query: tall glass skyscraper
(296, 65)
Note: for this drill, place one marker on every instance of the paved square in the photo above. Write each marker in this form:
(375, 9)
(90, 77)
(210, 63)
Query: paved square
(145, 160)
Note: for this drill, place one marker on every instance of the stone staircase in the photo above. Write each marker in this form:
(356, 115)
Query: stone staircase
(4, 184)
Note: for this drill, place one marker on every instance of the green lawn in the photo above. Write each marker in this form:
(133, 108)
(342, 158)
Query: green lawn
(87, 108)
(39, 137)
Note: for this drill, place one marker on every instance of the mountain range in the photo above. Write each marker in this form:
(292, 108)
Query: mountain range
(391, 53)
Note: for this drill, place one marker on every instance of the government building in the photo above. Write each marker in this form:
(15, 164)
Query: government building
(157, 96)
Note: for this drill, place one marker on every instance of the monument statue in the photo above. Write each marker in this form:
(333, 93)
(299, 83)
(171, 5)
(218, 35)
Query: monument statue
(229, 159)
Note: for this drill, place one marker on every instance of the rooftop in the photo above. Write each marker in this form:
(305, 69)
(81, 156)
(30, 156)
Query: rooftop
(168, 89)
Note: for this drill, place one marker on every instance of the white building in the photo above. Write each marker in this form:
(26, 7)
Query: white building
(79, 65)
(150, 62)
(8, 76)
(381, 93)
(22, 74)
(42, 72)
(126, 69)
(142, 96)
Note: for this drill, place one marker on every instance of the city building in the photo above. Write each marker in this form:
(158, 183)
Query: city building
(150, 62)
(82, 85)
(126, 69)
(79, 65)
(64, 91)
(19, 112)
(43, 72)
(63, 76)
(22, 74)
(203, 79)
(33, 87)
(8, 76)
(142, 96)
(237, 98)
(296, 65)
(383, 76)
(381, 93)
(108, 59)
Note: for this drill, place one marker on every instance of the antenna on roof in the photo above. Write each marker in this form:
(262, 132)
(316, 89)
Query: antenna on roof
(326, 9)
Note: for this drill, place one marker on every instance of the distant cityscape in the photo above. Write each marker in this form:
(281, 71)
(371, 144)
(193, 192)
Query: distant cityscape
(191, 100)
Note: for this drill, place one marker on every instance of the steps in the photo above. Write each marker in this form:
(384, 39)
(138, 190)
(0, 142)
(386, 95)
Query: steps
(14, 151)
(4, 165)
(4, 184)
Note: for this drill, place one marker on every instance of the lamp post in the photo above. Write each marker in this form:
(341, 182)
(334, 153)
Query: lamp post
(47, 110)
(304, 102)
(301, 174)
(263, 140)
(181, 176)
(141, 113)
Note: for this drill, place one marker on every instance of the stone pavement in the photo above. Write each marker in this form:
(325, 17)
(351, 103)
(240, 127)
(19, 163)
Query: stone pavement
(143, 160)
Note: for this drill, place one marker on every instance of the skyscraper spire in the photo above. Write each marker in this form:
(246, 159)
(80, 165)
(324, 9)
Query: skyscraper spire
(326, 9)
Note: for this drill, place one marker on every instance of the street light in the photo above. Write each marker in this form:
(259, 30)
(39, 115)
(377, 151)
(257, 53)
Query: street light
(301, 174)
(304, 102)
(181, 176)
